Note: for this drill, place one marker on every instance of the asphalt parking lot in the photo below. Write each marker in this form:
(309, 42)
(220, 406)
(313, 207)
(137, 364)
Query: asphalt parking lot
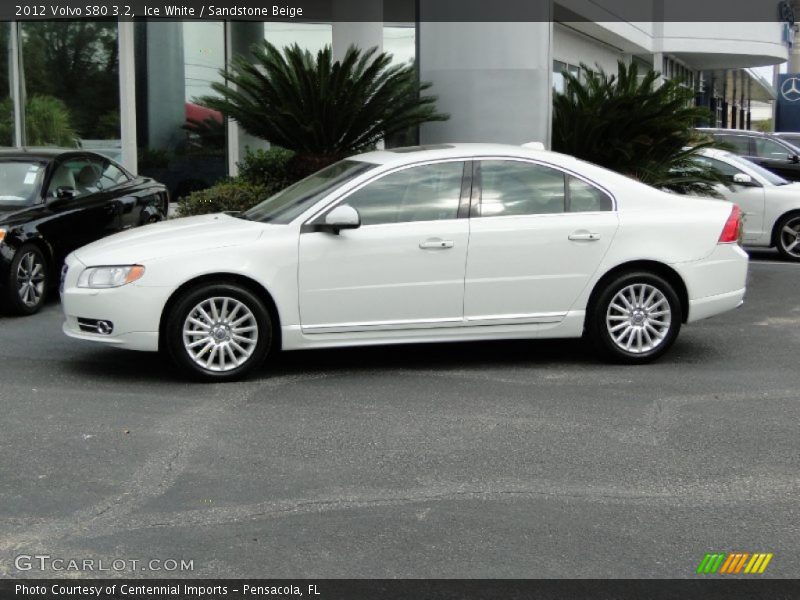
(523, 459)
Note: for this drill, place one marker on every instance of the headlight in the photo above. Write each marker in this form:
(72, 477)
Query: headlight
(109, 277)
(2, 235)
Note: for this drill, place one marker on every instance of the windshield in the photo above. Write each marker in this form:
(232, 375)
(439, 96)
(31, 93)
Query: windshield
(20, 182)
(288, 204)
(768, 175)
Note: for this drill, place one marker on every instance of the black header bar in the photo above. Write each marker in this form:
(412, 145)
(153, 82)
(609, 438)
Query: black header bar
(751, 11)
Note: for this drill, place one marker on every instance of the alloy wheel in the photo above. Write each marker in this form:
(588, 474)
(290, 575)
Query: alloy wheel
(638, 318)
(30, 279)
(220, 333)
(790, 237)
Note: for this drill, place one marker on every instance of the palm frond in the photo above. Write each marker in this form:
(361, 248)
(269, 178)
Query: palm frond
(318, 107)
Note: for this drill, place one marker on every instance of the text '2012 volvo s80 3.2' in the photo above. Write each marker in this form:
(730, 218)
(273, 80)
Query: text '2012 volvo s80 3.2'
(423, 244)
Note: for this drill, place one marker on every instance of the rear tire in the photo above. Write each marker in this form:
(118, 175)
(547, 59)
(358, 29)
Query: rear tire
(787, 237)
(218, 331)
(635, 318)
(28, 281)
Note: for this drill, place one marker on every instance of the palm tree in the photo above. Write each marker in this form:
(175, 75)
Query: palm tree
(320, 108)
(634, 126)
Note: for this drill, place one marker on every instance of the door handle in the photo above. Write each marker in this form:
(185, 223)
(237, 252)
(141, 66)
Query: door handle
(584, 236)
(436, 244)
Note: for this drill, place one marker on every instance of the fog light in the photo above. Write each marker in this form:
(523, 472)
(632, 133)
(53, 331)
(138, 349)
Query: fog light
(99, 326)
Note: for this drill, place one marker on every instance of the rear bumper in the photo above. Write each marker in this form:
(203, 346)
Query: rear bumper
(714, 305)
(717, 283)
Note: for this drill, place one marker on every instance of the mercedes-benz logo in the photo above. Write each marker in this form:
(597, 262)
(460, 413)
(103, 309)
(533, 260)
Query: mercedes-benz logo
(790, 89)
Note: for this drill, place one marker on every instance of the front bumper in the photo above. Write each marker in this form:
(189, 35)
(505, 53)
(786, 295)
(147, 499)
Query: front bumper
(135, 311)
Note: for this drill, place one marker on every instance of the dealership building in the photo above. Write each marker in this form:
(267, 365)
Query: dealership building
(130, 89)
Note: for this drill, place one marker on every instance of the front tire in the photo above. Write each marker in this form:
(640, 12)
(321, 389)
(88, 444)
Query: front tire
(635, 319)
(788, 237)
(28, 281)
(218, 332)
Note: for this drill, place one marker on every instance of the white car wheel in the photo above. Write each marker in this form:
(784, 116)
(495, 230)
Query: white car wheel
(218, 331)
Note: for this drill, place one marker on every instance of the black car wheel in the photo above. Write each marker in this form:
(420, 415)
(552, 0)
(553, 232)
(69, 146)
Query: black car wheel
(218, 331)
(635, 319)
(28, 280)
(788, 237)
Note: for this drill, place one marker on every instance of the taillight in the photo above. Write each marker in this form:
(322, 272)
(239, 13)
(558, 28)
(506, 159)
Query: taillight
(730, 233)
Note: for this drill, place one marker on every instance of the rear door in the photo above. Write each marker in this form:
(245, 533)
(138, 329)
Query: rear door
(537, 235)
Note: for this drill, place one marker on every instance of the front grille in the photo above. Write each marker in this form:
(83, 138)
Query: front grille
(64, 270)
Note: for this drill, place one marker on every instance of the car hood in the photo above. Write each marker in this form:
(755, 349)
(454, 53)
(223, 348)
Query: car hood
(15, 216)
(789, 188)
(175, 237)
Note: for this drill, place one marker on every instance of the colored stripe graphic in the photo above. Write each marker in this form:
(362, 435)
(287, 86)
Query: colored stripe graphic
(734, 563)
(710, 563)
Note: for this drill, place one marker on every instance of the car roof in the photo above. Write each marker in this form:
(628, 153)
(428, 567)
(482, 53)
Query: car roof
(722, 130)
(717, 153)
(48, 152)
(414, 154)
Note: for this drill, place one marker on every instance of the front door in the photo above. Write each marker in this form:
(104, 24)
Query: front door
(776, 157)
(403, 268)
(536, 238)
(88, 216)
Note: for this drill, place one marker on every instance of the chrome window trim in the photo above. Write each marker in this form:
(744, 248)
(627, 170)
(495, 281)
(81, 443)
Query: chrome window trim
(331, 202)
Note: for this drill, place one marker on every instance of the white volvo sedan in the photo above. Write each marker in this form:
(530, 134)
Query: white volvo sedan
(424, 244)
(770, 204)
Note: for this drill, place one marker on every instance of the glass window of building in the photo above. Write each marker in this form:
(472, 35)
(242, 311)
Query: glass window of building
(559, 67)
(309, 36)
(400, 42)
(6, 99)
(181, 143)
(69, 71)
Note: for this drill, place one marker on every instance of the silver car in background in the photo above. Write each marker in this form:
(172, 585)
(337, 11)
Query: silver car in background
(770, 204)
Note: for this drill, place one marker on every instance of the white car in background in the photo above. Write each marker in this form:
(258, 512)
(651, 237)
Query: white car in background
(424, 244)
(770, 204)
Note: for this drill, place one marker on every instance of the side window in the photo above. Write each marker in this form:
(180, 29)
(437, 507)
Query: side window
(766, 148)
(77, 174)
(740, 144)
(584, 197)
(511, 187)
(723, 167)
(111, 175)
(424, 193)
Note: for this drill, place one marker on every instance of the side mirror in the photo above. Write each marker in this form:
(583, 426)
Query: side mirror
(63, 195)
(65, 192)
(794, 158)
(343, 216)
(743, 179)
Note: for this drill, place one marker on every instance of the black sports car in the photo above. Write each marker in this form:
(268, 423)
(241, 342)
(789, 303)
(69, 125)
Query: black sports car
(54, 201)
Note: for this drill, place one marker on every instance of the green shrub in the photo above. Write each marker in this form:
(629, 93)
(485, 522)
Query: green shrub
(269, 168)
(227, 195)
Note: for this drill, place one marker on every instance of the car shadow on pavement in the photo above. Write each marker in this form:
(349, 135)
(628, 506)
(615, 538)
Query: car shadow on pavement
(125, 366)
